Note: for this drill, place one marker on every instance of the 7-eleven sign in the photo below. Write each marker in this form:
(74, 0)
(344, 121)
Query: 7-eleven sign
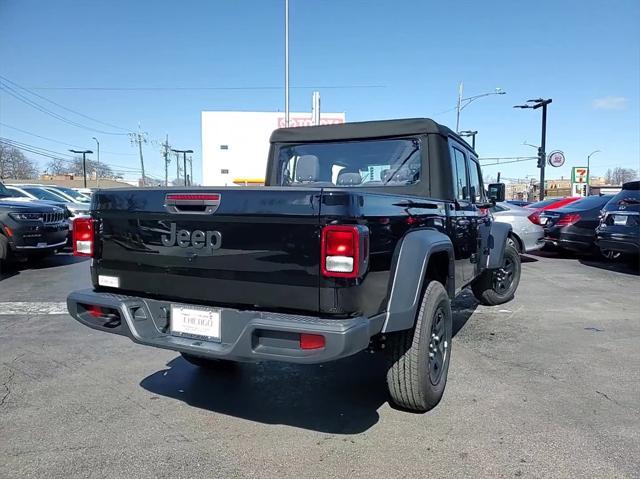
(580, 174)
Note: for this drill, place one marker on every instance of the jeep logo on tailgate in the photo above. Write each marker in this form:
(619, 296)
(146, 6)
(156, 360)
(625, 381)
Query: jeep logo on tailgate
(198, 239)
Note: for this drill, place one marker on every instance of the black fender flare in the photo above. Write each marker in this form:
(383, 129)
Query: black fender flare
(4, 247)
(408, 274)
(497, 244)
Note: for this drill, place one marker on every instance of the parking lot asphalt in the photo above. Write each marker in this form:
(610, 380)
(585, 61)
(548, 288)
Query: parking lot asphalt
(547, 385)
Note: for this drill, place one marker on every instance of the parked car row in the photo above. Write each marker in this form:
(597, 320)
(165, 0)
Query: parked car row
(607, 225)
(36, 220)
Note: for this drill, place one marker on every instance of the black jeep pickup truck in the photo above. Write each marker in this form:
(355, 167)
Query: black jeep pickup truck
(29, 228)
(362, 235)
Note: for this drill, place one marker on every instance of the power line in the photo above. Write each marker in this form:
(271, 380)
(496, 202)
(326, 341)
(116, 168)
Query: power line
(64, 107)
(18, 96)
(55, 154)
(61, 142)
(221, 88)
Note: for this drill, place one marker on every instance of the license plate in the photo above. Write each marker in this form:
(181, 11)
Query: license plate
(620, 220)
(195, 322)
(42, 245)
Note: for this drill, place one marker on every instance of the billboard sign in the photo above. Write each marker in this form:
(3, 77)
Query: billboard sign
(295, 122)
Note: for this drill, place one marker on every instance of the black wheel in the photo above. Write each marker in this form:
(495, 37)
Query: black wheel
(208, 364)
(498, 286)
(419, 357)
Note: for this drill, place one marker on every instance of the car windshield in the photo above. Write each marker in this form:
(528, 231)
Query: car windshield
(42, 194)
(73, 194)
(4, 192)
(393, 162)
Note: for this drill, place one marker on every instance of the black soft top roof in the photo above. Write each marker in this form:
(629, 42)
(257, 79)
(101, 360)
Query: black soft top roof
(361, 130)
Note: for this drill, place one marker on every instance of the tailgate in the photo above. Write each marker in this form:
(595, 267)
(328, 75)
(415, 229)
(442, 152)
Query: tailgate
(254, 247)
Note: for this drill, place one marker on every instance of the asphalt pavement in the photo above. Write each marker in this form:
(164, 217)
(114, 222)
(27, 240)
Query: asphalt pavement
(547, 385)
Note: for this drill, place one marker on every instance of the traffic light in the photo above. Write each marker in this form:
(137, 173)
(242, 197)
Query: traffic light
(541, 158)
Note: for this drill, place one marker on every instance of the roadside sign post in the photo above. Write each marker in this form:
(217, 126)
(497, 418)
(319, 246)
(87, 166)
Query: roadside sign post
(579, 181)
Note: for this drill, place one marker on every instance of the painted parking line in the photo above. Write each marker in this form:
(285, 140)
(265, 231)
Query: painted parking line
(32, 308)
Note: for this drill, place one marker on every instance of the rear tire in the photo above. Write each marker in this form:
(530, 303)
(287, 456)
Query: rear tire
(498, 286)
(419, 357)
(208, 364)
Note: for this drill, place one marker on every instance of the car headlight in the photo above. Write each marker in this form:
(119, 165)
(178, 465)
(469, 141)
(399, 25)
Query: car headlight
(26, 216)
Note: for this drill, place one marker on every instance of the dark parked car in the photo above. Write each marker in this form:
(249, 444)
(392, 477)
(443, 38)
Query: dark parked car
(29, 228)
(573, 227)
(520, 203)
(619, 229)
(362, 235)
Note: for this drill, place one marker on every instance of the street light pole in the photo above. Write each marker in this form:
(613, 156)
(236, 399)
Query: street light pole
(184, 162)
(84, 162)
(98, 169)
(460, 106)
(286, 63)
(535, 104)
(589, 170)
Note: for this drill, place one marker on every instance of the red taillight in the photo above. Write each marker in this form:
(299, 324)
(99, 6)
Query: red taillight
(568, 220)
(311, 341)
(193, 196)
(9, 231)
(83, 236)
(340, 251)
(534, 218)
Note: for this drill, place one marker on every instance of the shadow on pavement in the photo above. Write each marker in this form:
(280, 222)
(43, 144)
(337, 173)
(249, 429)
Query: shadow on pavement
(53, 261)
(341, 397)
(625, 265)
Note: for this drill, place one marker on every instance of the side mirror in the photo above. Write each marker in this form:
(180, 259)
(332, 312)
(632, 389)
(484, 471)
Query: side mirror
(496, 192)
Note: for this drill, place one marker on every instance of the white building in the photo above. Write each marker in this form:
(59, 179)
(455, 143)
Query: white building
(235, 144)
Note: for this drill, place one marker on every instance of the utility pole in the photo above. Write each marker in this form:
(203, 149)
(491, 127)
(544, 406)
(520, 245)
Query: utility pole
(315, 108)
(139, 138)
(191, 170)
(184, 160)
(98, 169)
(167, 160)
(589, 170)
(177, 166)
(286, 63)
(542, 151)
(84, 162)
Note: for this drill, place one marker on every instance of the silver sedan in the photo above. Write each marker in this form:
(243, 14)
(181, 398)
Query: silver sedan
(526, 232)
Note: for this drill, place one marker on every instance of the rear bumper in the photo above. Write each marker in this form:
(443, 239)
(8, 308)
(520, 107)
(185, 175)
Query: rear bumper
(245, 335)
(620, 243)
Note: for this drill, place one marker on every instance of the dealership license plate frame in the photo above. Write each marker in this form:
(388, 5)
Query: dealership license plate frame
(184, 319)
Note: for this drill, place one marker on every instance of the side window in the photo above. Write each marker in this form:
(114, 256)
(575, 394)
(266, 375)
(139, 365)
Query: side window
(460, 176)
(475, 181)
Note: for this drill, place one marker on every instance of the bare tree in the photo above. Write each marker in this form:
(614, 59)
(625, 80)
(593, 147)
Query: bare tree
(622, 175)
(608, 177)
(74, 167)
(14, 165)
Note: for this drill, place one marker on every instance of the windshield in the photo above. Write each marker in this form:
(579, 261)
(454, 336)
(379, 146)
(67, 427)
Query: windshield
(628, 198)
(4, 192)
(72, 194)
(44, 194)
(394, 162)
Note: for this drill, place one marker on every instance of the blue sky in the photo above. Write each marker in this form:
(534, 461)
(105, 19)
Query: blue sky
(370, 59)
